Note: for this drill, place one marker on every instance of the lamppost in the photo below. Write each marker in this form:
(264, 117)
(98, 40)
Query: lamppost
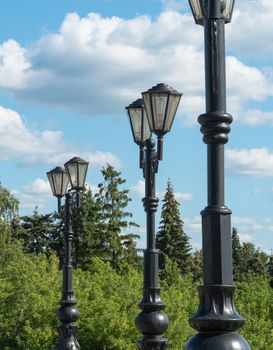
(154, 113)
(216, 319)
(75, 171)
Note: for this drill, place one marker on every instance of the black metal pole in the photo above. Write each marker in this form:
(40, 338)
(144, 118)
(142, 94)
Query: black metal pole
(216, 319)
(152, 322)
(68, 312)
(59, 204)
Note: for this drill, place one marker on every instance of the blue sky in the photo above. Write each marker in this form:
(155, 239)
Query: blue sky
(69, 67)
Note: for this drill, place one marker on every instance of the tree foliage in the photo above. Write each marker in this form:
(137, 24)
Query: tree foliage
(40, 233)
(9, 205)
(115, 224)
(171, 239)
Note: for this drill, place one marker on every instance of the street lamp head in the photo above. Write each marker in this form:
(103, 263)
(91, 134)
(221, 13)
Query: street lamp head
(197, 7)
(161, 103)
(202, 9)
(227, 8)
(58, 180)
(138, 121)
(77, 169)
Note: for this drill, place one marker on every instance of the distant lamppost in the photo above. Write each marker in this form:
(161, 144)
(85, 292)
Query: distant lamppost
(161, 103)
(76, 170)
(216, 319)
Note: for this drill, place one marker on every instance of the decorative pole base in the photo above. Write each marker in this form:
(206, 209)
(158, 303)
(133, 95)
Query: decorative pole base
(67, 339)
(216, 320)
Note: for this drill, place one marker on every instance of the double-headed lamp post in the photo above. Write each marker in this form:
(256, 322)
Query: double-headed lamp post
(216, 319)
(75, 172)
(154, 113)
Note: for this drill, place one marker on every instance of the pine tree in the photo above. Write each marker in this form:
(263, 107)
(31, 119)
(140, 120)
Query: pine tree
(115, 221)
(88, 240)
(255, 265)
(39, 233)
(236, 254)
(253, 260)
(171, 239)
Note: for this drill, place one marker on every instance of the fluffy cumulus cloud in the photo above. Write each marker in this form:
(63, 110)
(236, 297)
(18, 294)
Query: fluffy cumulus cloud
(29, 146)
(35, 194)
(250, 32)
(96, 64)
(252, 162)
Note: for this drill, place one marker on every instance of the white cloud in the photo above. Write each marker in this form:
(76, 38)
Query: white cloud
(35, 146)
(252, 162)
(186, 197)
(35, 194)
(139, 188)
(252, 41)
(105, 53)
(38, 186)
(193, 225)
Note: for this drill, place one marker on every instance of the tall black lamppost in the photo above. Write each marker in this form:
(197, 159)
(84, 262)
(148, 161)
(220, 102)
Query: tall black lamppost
(76, 170)
(216, 319)
(161, 103)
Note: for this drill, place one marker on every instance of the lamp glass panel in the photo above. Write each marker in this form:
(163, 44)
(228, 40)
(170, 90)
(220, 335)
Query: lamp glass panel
(65, 183)
(172, 108)
(50, 179)
(146, 127)
(147, 104)
(135, 117)
(82, 174)
(159, 103)
(72, 169)
(227, 8)
(197, 8)
(57, 180)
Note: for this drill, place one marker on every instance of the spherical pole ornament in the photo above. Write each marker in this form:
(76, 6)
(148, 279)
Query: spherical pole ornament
(161, 103)
(77, 169)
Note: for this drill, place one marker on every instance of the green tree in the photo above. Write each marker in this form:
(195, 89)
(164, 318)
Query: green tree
(171, 239)
(253, 260)
(236, 254)
(9, 205)
(87, 227)
(255, 264)
(196, 267)
(269, 270)
(40, 233)
(118, 243)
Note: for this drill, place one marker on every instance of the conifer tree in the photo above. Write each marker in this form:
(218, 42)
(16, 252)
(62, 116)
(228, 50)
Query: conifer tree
(236, 254)
(171, 239)
(118, 243)
(39, 233)
(88, 240)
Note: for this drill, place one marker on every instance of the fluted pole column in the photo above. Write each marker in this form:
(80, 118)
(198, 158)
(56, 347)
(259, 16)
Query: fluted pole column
(68, 312)
(216, 319)
(152, 322)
